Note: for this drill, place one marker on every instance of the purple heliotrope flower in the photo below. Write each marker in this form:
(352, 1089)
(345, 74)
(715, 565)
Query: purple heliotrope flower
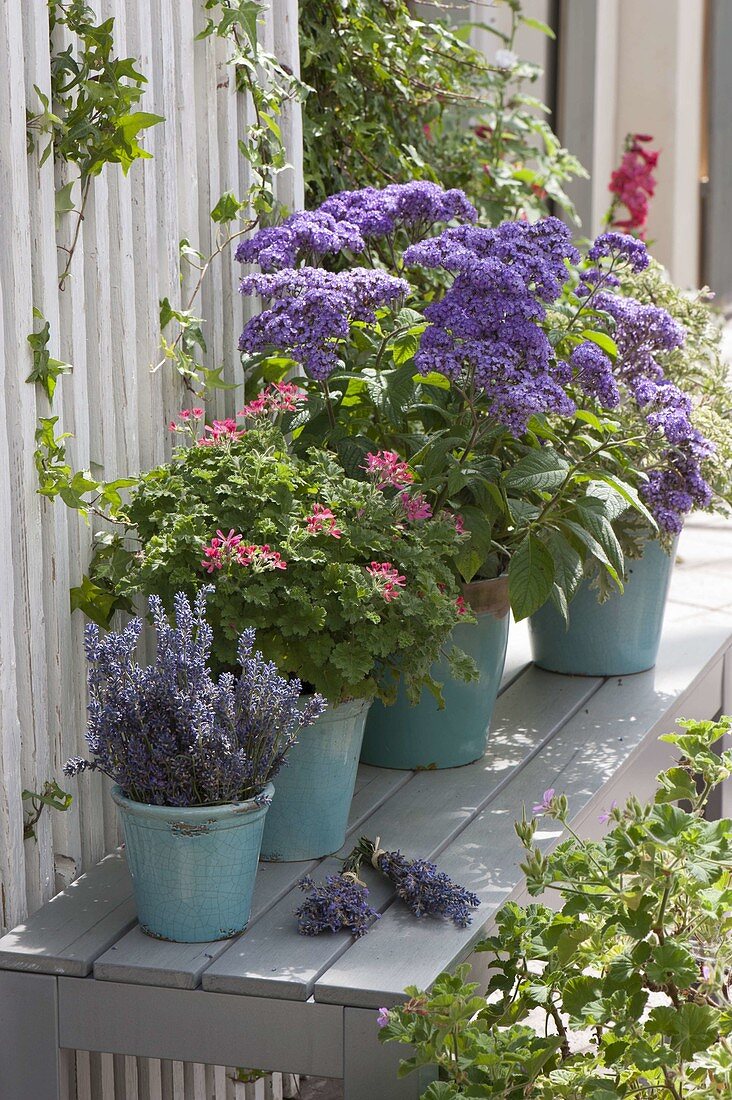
(486, 329)
(312, 311)
(623, 245)
(306, 235)
(415, 206)
(594, 374)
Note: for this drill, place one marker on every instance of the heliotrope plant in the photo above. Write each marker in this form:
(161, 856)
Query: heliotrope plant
(347, 582)
(170, 733)
(514, 376)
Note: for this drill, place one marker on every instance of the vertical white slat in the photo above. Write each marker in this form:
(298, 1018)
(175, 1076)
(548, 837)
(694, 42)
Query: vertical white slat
(147, 241)
(21, 412)
(83, 1075)
(284, 20)
(150, 1084)
(12, 857)
(61, 728)
(231, 312)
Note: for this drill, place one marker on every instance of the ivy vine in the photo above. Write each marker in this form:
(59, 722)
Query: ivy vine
(269, 85)
(90, 117)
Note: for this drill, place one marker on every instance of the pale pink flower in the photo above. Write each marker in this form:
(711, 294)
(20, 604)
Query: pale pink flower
(388, 579)
(546, 803)
(387, 468)
(415, 507)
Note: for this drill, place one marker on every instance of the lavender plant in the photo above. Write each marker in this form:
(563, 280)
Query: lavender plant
(169, 733)
(424, 889)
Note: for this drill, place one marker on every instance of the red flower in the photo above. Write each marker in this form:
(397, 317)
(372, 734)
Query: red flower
(633, 183)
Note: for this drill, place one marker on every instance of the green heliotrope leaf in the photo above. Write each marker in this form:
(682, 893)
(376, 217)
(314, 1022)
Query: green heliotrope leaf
(540, 469)
(530, 577)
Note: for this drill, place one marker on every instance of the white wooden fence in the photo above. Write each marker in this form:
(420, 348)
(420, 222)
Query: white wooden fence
(105, 322)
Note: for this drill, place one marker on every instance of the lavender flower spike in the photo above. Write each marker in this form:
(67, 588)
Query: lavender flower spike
(336, 905)
(169, 733)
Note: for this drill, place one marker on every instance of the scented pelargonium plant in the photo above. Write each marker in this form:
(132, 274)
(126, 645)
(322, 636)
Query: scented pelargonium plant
(620, 987)
(171, 733)
(347, 582)
(522, 384)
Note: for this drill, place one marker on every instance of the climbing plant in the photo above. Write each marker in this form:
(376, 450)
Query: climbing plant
(268, 85)
(397, 97)
(90, 119)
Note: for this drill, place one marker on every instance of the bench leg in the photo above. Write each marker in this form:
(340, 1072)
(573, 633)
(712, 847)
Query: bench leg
(370, 1067)
(30, 1059)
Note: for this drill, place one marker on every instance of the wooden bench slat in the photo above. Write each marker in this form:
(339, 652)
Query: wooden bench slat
(422, 818)
(604, 736)
(67, 934)
(138, 958)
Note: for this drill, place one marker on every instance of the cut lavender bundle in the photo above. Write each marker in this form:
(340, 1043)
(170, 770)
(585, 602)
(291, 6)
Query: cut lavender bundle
(425, 890)
(336, 904)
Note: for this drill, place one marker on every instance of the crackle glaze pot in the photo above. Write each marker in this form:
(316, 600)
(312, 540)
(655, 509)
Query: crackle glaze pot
(193, 868)
(313, 791)
(423, 736)
(615, 638)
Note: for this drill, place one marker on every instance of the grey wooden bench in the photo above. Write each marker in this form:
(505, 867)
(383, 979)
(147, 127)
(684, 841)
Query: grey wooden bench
(79, 974)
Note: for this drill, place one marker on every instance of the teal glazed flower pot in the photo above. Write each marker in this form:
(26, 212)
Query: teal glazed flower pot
(309, 815)
(423, 736)
(193, 868)
(615, 638)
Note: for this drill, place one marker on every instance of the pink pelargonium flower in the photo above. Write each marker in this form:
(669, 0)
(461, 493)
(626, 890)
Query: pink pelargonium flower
(277, 397)
(461, 606)
(388, 579)
(221, 550)
(323, 520)
(607, 814)
(387, 468)
(415, 507)
(224, 550)
(545, 805)
(383, 1017)
(221, 431)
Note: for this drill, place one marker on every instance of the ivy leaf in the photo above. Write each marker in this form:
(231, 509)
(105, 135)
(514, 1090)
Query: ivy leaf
(46, 369)
(64, 204)
(97, 603)
(227, 208)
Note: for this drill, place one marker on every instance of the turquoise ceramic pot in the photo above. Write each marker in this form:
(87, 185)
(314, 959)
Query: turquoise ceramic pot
(309, 815)
(615, 638)
(423, 736)
(193, 868)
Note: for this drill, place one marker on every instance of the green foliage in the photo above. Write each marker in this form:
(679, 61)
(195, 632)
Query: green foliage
(396, 97)
(78, 489)
(52, 797)
(90, 117)
(637, 950)
(46, 369)
(323, 618)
